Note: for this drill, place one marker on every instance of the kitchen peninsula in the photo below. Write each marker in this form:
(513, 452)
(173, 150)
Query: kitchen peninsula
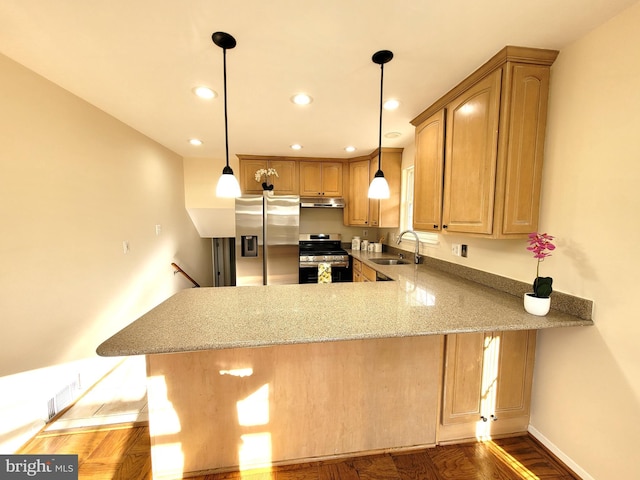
(341, 368)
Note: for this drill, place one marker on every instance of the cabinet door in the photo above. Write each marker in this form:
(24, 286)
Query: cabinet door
(471, 157)
(321, 179)
(464, 358)
(358, 207)
(428, 174)
(515, 372)
(286, 183)
(368, 273)
(525, 148)
(357, 270)
(487, 384)
(248, 168)
(332, 179)
(310, 179)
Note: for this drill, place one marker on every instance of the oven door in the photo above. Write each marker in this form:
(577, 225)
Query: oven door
(309, 274)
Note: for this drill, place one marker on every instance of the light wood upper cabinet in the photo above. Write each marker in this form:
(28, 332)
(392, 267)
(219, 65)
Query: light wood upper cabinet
(356, 212)
(493, 134)
(286, 183)
(428, 174)
(471, 156)
(321, 179)
(487, 384)
(362, 211)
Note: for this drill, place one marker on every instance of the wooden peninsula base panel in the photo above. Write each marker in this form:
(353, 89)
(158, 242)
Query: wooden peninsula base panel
(216, 410)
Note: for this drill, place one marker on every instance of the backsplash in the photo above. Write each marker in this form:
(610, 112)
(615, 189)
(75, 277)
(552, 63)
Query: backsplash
(563, 302)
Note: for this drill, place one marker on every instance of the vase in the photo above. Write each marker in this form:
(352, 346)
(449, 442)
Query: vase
(537, 305)
(267, 186)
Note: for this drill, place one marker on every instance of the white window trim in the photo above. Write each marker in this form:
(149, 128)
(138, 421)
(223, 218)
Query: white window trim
(428, 238)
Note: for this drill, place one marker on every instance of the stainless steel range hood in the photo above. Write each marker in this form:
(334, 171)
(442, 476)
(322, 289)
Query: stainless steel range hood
(322, 202)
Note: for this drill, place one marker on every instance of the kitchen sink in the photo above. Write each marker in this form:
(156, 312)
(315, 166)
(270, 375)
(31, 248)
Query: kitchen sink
(388, 261)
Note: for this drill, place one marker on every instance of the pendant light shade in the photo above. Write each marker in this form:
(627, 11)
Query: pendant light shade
(379, 187)
(228, 185)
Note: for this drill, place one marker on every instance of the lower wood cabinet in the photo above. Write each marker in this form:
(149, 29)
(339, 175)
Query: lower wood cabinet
(368, 273)
(487, 384)
(357, 270)
(244, 408)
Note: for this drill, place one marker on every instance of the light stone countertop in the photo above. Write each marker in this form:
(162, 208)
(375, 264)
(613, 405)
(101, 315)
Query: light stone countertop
(421, 301)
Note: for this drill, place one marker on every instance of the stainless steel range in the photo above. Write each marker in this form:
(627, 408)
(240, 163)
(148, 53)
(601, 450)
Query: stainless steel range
(317, 248)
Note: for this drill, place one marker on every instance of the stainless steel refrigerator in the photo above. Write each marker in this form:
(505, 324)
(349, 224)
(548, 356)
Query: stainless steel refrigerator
(267, 239)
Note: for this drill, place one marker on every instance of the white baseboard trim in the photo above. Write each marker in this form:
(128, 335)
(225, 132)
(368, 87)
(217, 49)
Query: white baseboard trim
(577, 469)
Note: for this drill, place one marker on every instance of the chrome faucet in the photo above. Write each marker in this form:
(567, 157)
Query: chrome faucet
(416, 256)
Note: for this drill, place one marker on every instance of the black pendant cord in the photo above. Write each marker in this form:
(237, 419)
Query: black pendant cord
(225, 41)
(380, 126)
(226, 129)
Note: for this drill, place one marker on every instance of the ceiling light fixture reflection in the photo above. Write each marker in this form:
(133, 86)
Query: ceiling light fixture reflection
(296, 146)
(392, 135)
(204, 92)
(301, 99)
(196, 142)
(350, 148)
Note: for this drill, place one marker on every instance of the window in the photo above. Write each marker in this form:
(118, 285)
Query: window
(406, 209)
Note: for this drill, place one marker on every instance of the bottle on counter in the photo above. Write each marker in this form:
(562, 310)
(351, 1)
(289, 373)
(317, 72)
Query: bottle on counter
(355, 243)
(364, 245)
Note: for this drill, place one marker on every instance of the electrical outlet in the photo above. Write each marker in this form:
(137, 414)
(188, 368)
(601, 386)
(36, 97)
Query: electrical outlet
(365, 233)
(463, 250)
(125, 247)
(455, 249)
(158, 229)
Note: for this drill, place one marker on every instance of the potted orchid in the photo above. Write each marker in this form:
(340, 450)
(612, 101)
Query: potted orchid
(538, 302)
(266, 172)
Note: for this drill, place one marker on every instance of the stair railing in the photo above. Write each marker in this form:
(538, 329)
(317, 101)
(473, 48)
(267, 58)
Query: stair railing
(180, 270)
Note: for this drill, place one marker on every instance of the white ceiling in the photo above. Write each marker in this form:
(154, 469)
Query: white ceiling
(139, 59)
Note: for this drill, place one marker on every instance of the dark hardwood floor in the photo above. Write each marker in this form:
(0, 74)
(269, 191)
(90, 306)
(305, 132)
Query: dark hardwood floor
(123, 453)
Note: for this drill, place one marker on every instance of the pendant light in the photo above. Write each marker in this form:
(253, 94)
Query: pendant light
(379, 187)
(228, 185)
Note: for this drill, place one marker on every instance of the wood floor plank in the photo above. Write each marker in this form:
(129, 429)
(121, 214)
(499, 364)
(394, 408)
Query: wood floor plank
(526, 456)
(337, 471)
(124, 454)
(376, 467)
(454, 464)
(415, 466)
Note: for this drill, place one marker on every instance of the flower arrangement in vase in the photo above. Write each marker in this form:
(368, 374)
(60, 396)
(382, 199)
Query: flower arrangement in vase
(538, 302)
(267, 172)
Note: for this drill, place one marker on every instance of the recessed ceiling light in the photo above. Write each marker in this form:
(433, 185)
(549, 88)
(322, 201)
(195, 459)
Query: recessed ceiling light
(195, 142)
(301, 99)
(392, 135)
(296, 146)
(204, 92)
(350, 149)
(391, 104)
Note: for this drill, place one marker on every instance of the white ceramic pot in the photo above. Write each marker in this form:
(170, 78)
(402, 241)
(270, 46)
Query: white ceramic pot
(536, 305)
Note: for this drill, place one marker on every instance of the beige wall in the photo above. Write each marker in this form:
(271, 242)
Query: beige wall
(587, 383)
(586, 402)
(74, 184)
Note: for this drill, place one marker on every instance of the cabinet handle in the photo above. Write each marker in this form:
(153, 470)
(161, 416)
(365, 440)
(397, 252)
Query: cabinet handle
(494, 418)
(483, 418)
(435, 227)
(444, 226)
